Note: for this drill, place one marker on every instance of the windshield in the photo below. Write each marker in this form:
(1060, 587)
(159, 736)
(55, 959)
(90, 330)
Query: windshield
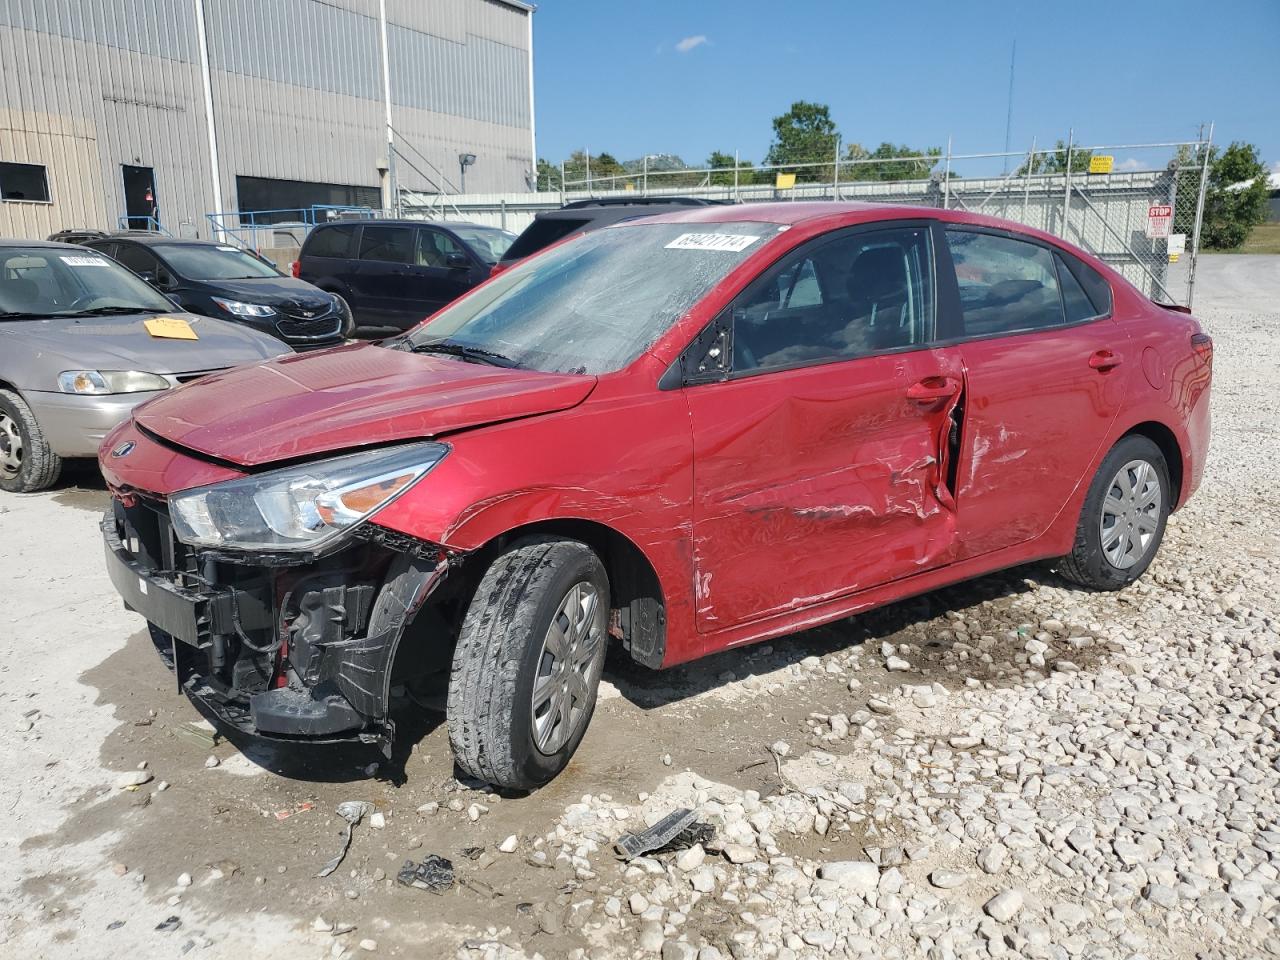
(200, 262)
(595, 303)
(489, 243)
(45, 282)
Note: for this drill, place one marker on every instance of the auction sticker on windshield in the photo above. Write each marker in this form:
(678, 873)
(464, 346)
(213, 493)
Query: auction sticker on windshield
(77, 261)
(730, 242)
(170, 328)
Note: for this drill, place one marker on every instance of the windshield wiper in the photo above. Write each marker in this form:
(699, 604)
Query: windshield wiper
(108, 311)
(474, 354)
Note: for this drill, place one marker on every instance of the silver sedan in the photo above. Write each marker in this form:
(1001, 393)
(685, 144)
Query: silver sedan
(82, 342)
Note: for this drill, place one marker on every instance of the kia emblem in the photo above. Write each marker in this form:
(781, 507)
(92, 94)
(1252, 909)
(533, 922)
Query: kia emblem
(124, 449)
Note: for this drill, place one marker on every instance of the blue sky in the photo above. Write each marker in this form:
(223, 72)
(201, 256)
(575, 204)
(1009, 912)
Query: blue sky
(690, 77)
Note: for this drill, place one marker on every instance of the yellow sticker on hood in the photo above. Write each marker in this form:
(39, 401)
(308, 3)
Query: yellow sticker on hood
(171, 328)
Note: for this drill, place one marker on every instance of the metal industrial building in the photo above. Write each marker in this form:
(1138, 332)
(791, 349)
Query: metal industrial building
(175, 109)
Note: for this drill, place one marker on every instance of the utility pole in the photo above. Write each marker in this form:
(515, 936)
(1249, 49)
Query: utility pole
(1008, 119)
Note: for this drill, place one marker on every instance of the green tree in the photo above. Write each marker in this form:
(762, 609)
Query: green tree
(605, 166)
(548, 175)
(724, 161)
(1055, 161)
(900, 162)
(804, 134)
(1236, 196)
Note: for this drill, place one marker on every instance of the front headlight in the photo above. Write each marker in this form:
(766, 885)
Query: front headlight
(248, 310)
(300, 508)
(110, 381)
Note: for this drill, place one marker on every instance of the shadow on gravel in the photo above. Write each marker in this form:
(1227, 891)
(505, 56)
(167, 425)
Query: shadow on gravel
(80, 485)
(651, 689)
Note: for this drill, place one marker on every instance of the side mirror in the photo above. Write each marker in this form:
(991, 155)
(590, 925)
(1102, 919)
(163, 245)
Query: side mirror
(457, 261)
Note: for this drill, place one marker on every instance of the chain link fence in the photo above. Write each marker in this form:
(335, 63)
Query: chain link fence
(1137, 207)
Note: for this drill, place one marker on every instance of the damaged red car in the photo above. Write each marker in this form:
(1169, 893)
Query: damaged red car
(676, 435)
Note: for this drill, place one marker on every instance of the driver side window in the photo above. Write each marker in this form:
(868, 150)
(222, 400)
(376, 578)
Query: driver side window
(863, 293)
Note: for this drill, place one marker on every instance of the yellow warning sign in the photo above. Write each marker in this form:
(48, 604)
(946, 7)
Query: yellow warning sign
(170, 328)
(1101, 163)
(785, 181)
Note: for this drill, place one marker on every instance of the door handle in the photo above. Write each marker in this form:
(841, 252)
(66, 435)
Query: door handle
(933, 389)
(1103, 360)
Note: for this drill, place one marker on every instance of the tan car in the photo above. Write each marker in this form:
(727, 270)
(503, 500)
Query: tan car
(82, 342)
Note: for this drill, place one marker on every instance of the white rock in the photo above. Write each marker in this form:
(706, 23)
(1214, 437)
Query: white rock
(948, 879)
(134, 778)
(856, 876)
(692, 858)
(1004, 905)
(510, 844)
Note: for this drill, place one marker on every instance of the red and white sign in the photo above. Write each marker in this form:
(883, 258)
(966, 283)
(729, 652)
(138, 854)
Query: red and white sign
(1159, 220)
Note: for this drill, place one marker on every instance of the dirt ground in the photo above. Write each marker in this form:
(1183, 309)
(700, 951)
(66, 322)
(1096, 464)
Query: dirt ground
(231, 849)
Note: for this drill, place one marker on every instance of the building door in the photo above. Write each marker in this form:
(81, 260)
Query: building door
(141, 209)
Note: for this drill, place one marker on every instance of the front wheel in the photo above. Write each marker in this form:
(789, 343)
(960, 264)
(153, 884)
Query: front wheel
(528, 662)
(27, 462)
(1123, 518)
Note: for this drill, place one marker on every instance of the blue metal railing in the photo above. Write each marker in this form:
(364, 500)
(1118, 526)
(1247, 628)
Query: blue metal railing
(243, 227)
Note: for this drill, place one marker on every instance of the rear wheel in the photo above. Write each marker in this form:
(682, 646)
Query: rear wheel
(27, 462)
(528, 662)
(1123, 519)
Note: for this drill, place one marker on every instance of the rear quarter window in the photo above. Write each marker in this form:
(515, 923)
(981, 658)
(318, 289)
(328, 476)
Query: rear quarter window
(329, 242)
(1095, 285)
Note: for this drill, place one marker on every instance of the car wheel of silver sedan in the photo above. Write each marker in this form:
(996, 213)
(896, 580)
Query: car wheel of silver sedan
(27, 463)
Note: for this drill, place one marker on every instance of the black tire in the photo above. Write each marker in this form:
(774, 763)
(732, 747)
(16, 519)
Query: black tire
(39, 466)
(499, 653)
(349, 327)
(1088, 563)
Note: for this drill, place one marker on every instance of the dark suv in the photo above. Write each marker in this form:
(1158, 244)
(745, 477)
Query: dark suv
(583, 216)
(219, 280)
(396, 273)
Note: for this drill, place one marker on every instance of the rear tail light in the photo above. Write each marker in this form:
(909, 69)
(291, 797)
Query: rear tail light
(1202, 344)
(295, 269)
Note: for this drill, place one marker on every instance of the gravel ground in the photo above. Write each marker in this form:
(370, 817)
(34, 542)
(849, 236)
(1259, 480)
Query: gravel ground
(1008, 767)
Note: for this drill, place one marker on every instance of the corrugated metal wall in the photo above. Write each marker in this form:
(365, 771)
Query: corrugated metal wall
(88, 85)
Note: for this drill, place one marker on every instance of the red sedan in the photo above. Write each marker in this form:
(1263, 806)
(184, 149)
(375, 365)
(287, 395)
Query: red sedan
(681, 434)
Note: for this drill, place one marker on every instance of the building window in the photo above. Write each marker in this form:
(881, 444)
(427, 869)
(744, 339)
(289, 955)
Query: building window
(24, 181)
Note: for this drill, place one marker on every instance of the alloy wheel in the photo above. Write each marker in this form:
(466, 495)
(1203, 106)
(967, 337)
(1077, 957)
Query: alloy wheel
(562, 686)
(1131, 514)
(10, 446)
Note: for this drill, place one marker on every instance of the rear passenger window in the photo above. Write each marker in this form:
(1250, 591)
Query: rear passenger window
(864, 293)
(1006, 285)
(329, 242)
(389, 244)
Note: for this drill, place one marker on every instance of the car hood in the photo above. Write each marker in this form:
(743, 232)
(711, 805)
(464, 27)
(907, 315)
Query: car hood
(272, 291)
(350, 396)
(37, 347)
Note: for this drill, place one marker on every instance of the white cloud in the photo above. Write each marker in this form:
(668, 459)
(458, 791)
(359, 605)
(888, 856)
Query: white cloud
(688, 43)
(1129, 163)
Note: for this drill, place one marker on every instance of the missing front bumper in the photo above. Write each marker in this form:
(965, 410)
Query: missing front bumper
(304, 652)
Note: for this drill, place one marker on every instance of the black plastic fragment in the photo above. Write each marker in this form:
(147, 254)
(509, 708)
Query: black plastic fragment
(472, 853)
(169, 923)
(434, 874)
(678, 830)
